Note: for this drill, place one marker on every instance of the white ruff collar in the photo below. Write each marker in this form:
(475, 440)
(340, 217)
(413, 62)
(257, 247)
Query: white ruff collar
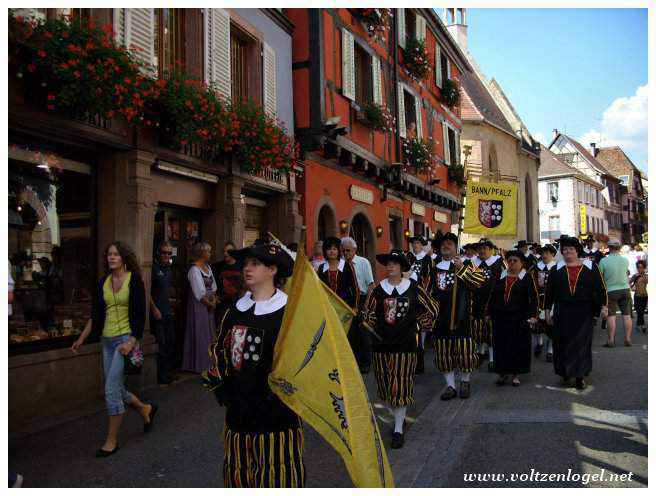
(542, 265)
(444, 265)
(325, 266)
(401, 288)
(273, 304)
(421, 255)
(490, 261)
(519, 276)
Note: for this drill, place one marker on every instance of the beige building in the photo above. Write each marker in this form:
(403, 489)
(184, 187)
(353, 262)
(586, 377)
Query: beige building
(495, 144)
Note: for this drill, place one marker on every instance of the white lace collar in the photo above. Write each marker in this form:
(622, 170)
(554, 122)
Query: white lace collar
(490, 261)
(542, 265)
(273, 304)
(421, 255)
(587, 263)
(401, 288)
(325, 265)
(444, 265)
(519, 276)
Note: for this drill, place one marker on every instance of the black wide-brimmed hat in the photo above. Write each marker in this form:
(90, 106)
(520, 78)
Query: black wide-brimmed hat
(550, 248)
(268, 254)
(396, 256)
(470, 246)
(421, 239)
(447, 237)
(486, 242)
(571, 241)
(522, 244)
(516, 253)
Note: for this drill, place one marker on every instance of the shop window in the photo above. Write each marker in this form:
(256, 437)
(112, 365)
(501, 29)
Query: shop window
(51, 253)
(169, 38)
(363, 76)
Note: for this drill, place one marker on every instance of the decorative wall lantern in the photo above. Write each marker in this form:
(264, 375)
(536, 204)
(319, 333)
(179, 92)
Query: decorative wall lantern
(343, 226)
(406, 233)
(379, 231)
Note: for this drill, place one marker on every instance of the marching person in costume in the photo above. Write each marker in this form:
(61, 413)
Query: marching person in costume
(590, 252)
(542, 270)
(575, 295)
(452, 284)
(471, 253)
(397, 309)
(339, 274)
(523, 246)
(513, 309)
(263, 438)
(491, 266)
(420, 262)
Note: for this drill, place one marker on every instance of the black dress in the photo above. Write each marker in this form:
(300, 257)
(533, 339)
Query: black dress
(263, 438)
(491, 269)
(342, 281)
(542, 272)
(397, 313)
(513, 301)
(574, 308)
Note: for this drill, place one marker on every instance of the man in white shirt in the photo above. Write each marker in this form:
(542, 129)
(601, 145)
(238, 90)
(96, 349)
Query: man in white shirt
(365, 278)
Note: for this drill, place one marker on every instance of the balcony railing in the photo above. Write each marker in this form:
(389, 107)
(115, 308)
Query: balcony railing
(271, 178)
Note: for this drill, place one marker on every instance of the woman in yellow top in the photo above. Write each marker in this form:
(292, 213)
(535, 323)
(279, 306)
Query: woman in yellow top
(119, 312)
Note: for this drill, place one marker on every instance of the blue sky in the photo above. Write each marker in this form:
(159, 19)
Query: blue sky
(577, 70)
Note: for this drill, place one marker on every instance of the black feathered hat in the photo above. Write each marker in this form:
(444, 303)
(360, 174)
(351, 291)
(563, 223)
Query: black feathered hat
(394, 256)
(268, 254)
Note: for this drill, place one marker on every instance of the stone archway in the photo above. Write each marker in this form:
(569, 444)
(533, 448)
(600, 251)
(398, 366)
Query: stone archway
(326, 220)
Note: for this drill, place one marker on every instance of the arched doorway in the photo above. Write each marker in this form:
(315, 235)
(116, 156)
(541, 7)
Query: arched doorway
(528, 192)
(363, 234)
(326, 224)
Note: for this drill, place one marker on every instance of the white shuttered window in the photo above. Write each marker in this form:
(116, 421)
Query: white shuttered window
(378, 80)
(401, 100)
(400, 24)
(420, 28)
(270, 102)
(445, 140)
(139, 32)
(348, 65)
(217, 51)
(438, 66)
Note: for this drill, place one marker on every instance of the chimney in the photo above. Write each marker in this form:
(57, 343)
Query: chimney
(555, 133)
(593, 149)
(456, 24)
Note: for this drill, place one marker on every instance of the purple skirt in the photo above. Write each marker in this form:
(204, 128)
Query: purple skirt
(199, 334)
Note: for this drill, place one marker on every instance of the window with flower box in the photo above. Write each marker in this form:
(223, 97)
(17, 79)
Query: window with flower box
(363, 75)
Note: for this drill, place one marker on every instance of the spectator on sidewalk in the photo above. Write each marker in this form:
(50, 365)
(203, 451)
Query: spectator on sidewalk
(361, 339)
(119, 314)
(639, 285)
(229, 281)
(162, 321)
(201, 303)
(615, 269)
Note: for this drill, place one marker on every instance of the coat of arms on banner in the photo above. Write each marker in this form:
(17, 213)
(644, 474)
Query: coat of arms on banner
(490, 212)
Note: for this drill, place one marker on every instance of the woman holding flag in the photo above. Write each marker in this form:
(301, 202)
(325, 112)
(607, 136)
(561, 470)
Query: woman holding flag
(397, 309)
(263, 438)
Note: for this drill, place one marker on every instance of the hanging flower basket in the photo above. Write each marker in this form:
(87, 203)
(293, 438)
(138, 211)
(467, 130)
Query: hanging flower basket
(377, 117)
(376, 21)
(418, 153)
(415, 59)
(450, 93)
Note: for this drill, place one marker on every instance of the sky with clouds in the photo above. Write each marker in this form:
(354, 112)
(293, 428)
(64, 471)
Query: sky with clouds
(581, 71)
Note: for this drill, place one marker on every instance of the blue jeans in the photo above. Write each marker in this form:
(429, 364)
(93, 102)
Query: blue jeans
(116, 396)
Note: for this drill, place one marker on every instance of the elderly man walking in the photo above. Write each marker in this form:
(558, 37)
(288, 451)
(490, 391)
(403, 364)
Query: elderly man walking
(615, 269)
(360, 338)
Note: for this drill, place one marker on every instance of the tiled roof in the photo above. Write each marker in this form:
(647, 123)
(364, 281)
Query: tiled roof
(551, 165)
(478, 103)
(588, 156)
(615, 160)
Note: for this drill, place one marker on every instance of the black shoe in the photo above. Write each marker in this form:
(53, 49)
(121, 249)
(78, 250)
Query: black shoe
(538, 351)
(149, 426)
(609, 345)
(549, 357)
(448, 394)
(465, 390)
(101, 453)
(490, 367)
(580, 384)
(397, 440)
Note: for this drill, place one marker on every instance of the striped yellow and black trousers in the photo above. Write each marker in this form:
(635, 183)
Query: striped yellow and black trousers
(395, 377)
(481, 330)
(273, 459)
(455, 353)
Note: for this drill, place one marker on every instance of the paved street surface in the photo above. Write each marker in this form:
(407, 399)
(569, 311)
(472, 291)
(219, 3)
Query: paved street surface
(499, 430)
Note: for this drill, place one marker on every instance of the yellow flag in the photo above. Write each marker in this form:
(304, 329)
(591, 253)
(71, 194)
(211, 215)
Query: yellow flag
(491, 208)
(315, 374)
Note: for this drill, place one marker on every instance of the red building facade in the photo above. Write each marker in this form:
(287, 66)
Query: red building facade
(357, 179)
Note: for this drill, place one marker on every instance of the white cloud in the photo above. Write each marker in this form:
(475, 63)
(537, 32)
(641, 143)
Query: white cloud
(624, 124)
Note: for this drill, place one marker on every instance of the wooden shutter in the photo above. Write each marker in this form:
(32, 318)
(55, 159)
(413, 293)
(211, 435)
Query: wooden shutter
(448, 68)
(348, 65)
(217, 51)
(400, 24)
(445, 139)
(420, 28)
(457, 135)
(402, 130)
(119, 26)
(140, 33)
(270, 101)
(420, 125)
(438, 66)
(378, 80)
